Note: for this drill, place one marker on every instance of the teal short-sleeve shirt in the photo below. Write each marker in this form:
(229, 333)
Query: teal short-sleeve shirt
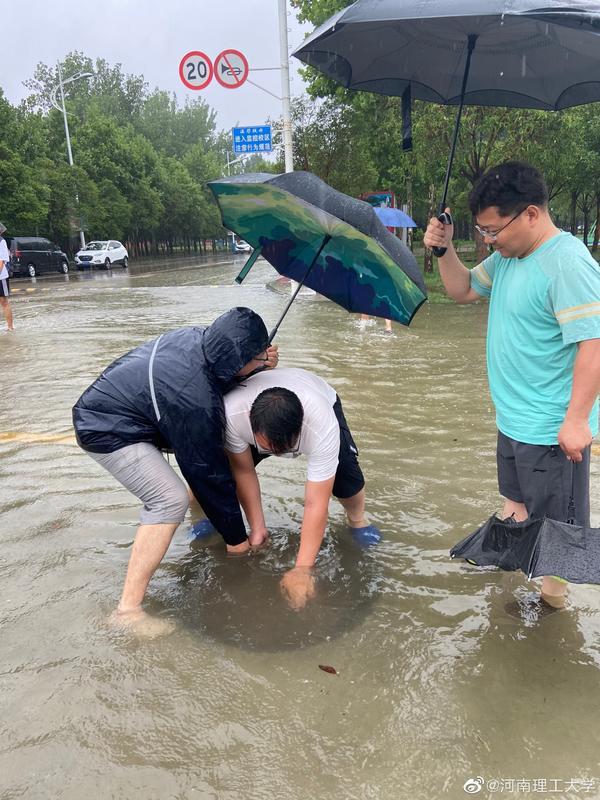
(540, 307)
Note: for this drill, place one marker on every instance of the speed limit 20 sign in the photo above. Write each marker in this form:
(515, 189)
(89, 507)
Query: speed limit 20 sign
(230, 69)
(196, 70)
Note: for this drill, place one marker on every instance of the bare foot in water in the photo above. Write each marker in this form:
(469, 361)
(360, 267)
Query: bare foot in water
(533, 607)
(555, 601)
(142, 624)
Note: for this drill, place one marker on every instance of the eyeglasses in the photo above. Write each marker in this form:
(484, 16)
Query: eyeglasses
(493, 236)
(295, 451)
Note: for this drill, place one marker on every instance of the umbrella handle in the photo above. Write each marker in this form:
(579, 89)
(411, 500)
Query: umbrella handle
(571, 513)
(248, 265)
(446, 218)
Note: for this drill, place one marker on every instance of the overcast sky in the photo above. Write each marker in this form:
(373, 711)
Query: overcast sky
(149, 38)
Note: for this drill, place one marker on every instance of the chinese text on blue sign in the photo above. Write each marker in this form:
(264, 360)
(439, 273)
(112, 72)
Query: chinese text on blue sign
(252, 139)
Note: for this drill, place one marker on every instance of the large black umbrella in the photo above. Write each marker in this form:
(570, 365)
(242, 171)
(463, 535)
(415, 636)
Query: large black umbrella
(542, 54)
(537, 547)
(327, 240)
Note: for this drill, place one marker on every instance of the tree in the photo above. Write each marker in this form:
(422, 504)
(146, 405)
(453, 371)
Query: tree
(329, 142)
(25, 197)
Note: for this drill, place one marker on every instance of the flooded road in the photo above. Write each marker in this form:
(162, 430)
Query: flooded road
(436, 686)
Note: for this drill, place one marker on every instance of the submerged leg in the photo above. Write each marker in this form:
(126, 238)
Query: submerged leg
(513, 509)
(554, 590)
(150, 545)
(7, 311)
(355, 509)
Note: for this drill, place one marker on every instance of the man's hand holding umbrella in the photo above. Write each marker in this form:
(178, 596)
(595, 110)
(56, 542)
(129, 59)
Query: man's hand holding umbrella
(439, 235)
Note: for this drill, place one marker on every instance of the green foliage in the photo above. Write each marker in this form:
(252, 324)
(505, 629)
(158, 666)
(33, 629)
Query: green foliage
(317, 11)
(142, 161)
(565, 146)
(330, 140)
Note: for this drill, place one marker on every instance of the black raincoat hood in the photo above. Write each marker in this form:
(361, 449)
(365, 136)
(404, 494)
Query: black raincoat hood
(232, 341)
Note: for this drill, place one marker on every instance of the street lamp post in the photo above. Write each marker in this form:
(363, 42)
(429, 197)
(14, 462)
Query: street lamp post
(62, 108)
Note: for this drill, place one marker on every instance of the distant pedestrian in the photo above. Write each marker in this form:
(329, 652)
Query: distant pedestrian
(365, 318)
(5, 280)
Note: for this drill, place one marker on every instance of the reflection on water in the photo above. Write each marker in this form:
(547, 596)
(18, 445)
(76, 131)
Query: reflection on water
(239, 600)
(436, 683)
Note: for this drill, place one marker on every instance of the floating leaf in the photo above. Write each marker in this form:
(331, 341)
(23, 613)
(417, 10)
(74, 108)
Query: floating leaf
(327, 668)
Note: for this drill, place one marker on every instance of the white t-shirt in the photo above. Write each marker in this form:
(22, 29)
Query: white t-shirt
(5, 257)
(320, 434)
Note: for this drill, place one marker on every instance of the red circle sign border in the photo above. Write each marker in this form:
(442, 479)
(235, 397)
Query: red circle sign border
(246, 69)
(210, 71)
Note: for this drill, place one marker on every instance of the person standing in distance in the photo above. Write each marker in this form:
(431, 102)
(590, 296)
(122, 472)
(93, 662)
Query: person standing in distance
(5, 280)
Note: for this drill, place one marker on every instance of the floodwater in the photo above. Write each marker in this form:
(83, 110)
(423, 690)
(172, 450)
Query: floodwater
(437, 685)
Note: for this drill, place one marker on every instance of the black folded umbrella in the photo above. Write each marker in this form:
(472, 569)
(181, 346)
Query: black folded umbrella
(536, 546)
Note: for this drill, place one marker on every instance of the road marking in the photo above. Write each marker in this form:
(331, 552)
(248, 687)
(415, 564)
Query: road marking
(69, 438)
(94, 284)
(37, 438)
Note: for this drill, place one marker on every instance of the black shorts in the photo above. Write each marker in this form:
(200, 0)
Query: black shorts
(4, 287)
(542, 478)
(349, 479)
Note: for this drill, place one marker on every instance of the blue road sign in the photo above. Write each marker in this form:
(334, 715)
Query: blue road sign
(252, 139)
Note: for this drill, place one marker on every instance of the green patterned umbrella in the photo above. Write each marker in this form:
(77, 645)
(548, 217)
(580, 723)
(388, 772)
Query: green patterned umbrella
(323, 239)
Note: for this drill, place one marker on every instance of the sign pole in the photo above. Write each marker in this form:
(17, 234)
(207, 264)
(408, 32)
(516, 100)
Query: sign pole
(286, 111)
(285, 87)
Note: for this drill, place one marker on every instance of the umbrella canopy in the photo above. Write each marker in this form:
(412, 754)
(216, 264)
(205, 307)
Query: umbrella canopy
(394, 218)
(333, 243)
(541, 54)
(537, 547)
(524, 54)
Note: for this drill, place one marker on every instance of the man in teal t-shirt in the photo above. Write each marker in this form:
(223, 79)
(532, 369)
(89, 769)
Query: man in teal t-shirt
(543, 344)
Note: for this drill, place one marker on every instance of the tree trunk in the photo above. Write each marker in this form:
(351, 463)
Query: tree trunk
(596, 229)
(574, 196)
(481, 249)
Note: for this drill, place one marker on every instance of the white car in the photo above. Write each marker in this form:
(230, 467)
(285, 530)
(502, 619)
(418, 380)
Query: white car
(102, 254)
(241, 246)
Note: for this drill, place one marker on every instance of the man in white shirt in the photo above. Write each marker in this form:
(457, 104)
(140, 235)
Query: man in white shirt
(292, 412)
(4, 280)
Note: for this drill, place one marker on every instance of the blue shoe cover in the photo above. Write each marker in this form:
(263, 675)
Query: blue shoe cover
(202, 529)
(367, 536)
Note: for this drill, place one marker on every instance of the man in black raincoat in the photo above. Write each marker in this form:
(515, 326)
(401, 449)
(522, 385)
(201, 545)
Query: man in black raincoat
(168, 394)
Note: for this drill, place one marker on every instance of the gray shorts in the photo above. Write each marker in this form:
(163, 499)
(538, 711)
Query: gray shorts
(541, 477)
(143, 470)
